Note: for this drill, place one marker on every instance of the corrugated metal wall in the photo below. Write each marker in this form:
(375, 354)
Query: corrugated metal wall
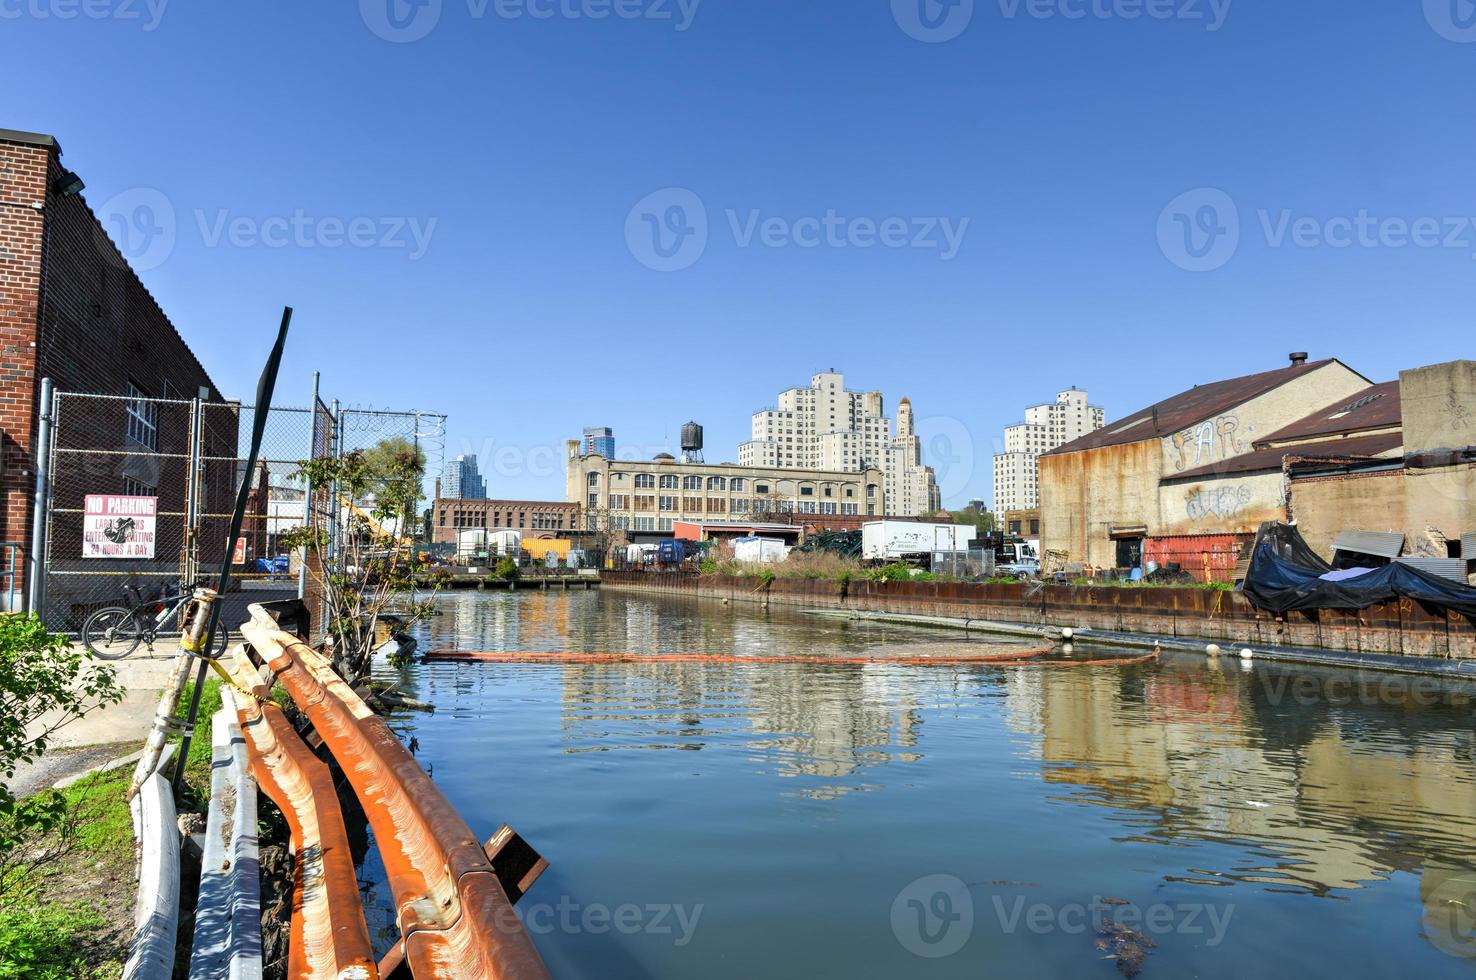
(1205, 557)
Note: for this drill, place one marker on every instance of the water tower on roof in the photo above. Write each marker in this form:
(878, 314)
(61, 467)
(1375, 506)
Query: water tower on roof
(691, 443)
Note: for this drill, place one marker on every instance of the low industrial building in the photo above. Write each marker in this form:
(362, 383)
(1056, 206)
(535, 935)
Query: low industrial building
(650, 496)
(536, 519)
(1106, 495)
(1222, 458)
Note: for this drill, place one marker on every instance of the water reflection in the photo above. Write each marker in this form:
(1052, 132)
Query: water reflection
(1262, 780)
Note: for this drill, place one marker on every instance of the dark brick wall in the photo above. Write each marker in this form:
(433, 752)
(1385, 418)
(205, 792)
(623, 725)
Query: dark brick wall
(72, 309)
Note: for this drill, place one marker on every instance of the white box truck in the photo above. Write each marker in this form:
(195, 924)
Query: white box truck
(890, 540)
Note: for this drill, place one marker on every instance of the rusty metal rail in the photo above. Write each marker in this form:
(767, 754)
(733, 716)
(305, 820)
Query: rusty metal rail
(456, 921)
(329, 937)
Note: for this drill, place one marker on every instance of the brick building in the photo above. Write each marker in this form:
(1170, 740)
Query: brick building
(537, 519)
(73, 310)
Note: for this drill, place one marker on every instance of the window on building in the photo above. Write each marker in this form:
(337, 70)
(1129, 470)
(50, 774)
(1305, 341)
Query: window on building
(663, 524)
(593, 479)
(669, 482)
(594, 499)
(643, 502)
(716, 483)
(137, 488)
(143, 418)
(646, 481)
(760, 488)
(717, 505)
(737, 484)
(1035, 527)
(668, 503)
(645, 523)
(691, 483)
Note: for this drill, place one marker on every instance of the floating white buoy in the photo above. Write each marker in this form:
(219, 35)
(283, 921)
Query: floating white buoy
(1213, 649)
(1247, 653)
(1067, 633)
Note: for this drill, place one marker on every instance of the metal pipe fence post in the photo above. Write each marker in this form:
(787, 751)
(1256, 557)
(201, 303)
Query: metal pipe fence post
(307, 491)
(36, 571)
(195, 475)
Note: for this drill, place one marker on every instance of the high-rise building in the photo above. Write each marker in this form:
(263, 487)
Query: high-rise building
(463, 481)
(599, 441)
(829, 427)
(1016, 470)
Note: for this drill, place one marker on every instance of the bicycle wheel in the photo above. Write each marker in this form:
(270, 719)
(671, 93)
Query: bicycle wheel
(111, 633)
(222, 641)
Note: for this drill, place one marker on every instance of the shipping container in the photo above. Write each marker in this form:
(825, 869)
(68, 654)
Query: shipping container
(759, 550)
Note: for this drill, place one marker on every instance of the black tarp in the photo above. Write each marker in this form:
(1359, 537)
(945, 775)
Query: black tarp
(1285, 575)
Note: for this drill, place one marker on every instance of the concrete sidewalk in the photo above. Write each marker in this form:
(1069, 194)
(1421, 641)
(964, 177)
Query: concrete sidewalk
(106, 733)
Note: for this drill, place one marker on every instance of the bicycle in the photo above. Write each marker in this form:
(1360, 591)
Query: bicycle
(114, 632)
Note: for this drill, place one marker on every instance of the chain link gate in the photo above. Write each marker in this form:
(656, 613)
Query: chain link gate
(160, 477)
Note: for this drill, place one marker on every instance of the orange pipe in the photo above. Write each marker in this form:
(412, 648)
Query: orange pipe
(455, 919)
(537, 657)
(329, 938)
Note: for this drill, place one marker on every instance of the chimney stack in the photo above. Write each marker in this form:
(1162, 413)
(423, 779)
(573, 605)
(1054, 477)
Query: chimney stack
(1299, 357)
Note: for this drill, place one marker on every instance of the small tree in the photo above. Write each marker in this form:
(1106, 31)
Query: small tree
(45, 684)
(363, 560)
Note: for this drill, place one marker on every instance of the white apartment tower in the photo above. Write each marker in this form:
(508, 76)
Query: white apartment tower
(1016, 470)
(829, 427)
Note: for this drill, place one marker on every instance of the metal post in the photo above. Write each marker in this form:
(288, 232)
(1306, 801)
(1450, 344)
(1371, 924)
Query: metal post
(191, 570)
(307, 492)
(35, 567)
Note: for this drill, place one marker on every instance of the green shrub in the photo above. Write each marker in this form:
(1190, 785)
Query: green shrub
(506, 569)
(41, 677)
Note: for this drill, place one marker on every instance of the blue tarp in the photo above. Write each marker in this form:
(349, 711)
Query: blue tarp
(1286, 575)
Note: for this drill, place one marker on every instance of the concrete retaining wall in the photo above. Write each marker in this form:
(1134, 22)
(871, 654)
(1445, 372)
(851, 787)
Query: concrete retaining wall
(1405, 628)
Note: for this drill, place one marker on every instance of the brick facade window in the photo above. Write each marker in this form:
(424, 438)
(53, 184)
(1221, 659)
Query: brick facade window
(143, 419)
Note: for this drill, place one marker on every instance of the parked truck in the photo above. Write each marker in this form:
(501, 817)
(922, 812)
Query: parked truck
(895, 540)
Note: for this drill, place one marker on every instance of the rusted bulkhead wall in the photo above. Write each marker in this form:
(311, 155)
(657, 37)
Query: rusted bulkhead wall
(1402, 628)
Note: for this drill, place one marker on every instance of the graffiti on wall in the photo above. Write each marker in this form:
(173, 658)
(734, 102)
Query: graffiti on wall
(1200, 445)
(1224, 502)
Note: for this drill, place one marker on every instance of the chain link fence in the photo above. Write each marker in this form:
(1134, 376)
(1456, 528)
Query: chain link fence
(142, 492)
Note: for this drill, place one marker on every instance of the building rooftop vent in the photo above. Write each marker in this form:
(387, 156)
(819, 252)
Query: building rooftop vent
(1299, 357)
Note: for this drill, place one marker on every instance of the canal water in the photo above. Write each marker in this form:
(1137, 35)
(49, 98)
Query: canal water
(1183, 817)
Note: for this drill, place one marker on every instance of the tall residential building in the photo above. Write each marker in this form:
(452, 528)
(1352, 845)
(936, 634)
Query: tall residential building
(599, 441)
(1016, 470)
(829, 427)
(463, 481)
(912, 489)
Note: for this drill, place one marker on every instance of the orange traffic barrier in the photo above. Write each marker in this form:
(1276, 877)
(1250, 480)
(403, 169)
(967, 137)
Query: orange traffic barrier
(455, 918)
(329, 938)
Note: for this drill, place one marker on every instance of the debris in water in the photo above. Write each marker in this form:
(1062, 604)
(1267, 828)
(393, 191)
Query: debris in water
(1128, 947)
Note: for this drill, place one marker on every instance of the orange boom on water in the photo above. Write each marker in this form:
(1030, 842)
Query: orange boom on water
(1022, 657)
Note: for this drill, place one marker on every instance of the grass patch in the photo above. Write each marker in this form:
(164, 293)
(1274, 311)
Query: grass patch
(48, 942)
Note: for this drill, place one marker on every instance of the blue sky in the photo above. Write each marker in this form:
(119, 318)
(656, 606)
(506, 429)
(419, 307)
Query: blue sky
(1138, 195)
